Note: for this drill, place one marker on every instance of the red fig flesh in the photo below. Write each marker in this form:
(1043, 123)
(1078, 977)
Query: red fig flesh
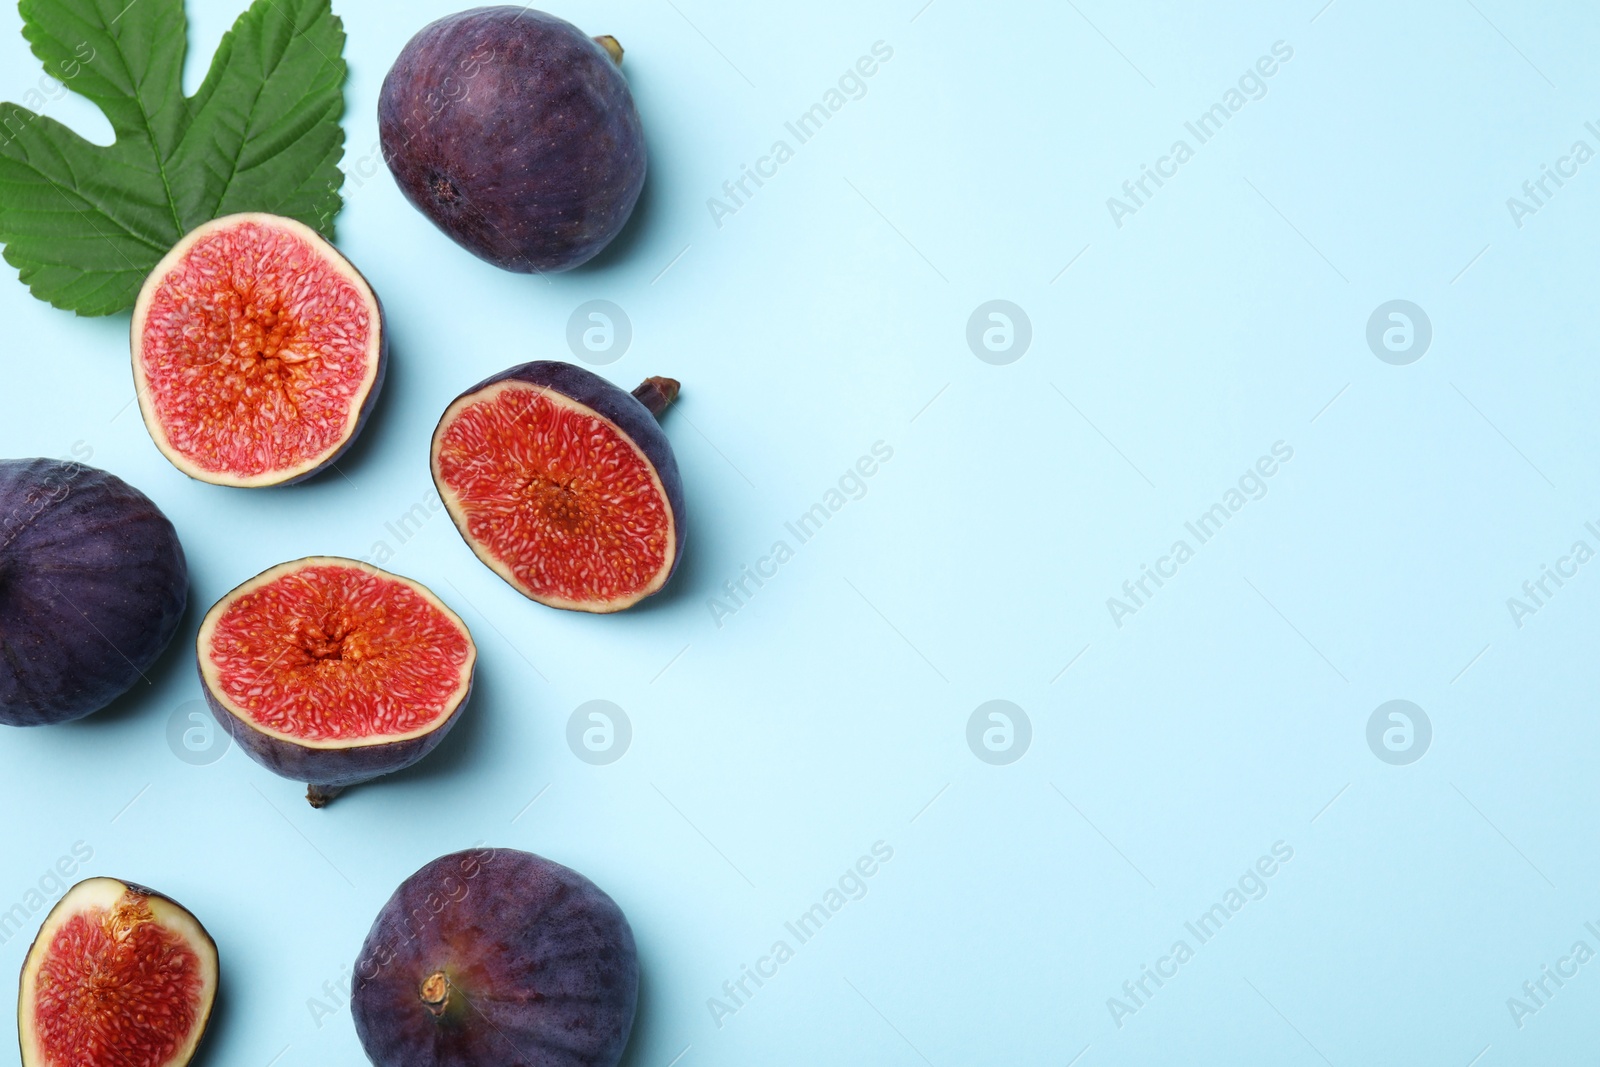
(258, 352)
(333, 672)
(119, 976)
(564, 484)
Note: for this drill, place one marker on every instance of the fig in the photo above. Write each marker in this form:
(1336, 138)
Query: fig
(564, 485)
(119, 976)
(516, 135)
(93, 584)
(496, 958)
(332, 672)
(258, 352)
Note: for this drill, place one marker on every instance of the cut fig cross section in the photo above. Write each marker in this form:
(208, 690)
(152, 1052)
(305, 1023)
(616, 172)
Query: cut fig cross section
(119, 976)
(332, 672)
(258, 352)
(564, 484)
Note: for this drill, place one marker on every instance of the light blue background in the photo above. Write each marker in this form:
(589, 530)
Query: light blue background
(830, 313)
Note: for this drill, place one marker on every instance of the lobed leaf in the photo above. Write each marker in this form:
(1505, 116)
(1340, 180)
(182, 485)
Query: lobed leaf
(84, 224)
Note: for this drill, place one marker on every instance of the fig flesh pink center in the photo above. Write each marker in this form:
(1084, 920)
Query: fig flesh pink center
(255, 351)
(117, 987)
(336, 654)
(556, 495)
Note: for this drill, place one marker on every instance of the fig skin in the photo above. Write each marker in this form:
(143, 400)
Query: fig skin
(328, 772)
(141, 311)
(627, 410)
(93, 586)
(499, 958)
(516, 135)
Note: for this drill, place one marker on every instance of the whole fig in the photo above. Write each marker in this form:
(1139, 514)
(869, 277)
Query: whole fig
(93, 584)
(516, 134)
(496, 958)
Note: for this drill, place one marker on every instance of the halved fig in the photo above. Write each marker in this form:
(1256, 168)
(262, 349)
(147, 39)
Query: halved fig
(93, 586)
(495, 957)
(564, 485)
(332, 672)
(258, 352)
(119, 976)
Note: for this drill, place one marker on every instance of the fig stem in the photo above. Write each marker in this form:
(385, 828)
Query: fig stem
(435, 992)
(657, 394)
(319, 795)
(612, 46)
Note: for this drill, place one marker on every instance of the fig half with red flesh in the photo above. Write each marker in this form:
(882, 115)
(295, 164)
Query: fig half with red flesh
(258, 352)
(564, 484)
(119, 976)
(494, 958)
(332, 672)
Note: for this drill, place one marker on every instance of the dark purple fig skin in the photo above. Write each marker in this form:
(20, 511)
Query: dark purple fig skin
(93, 585)
(516, 134)
(327, 771)
(621, 407)
(541, 965)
